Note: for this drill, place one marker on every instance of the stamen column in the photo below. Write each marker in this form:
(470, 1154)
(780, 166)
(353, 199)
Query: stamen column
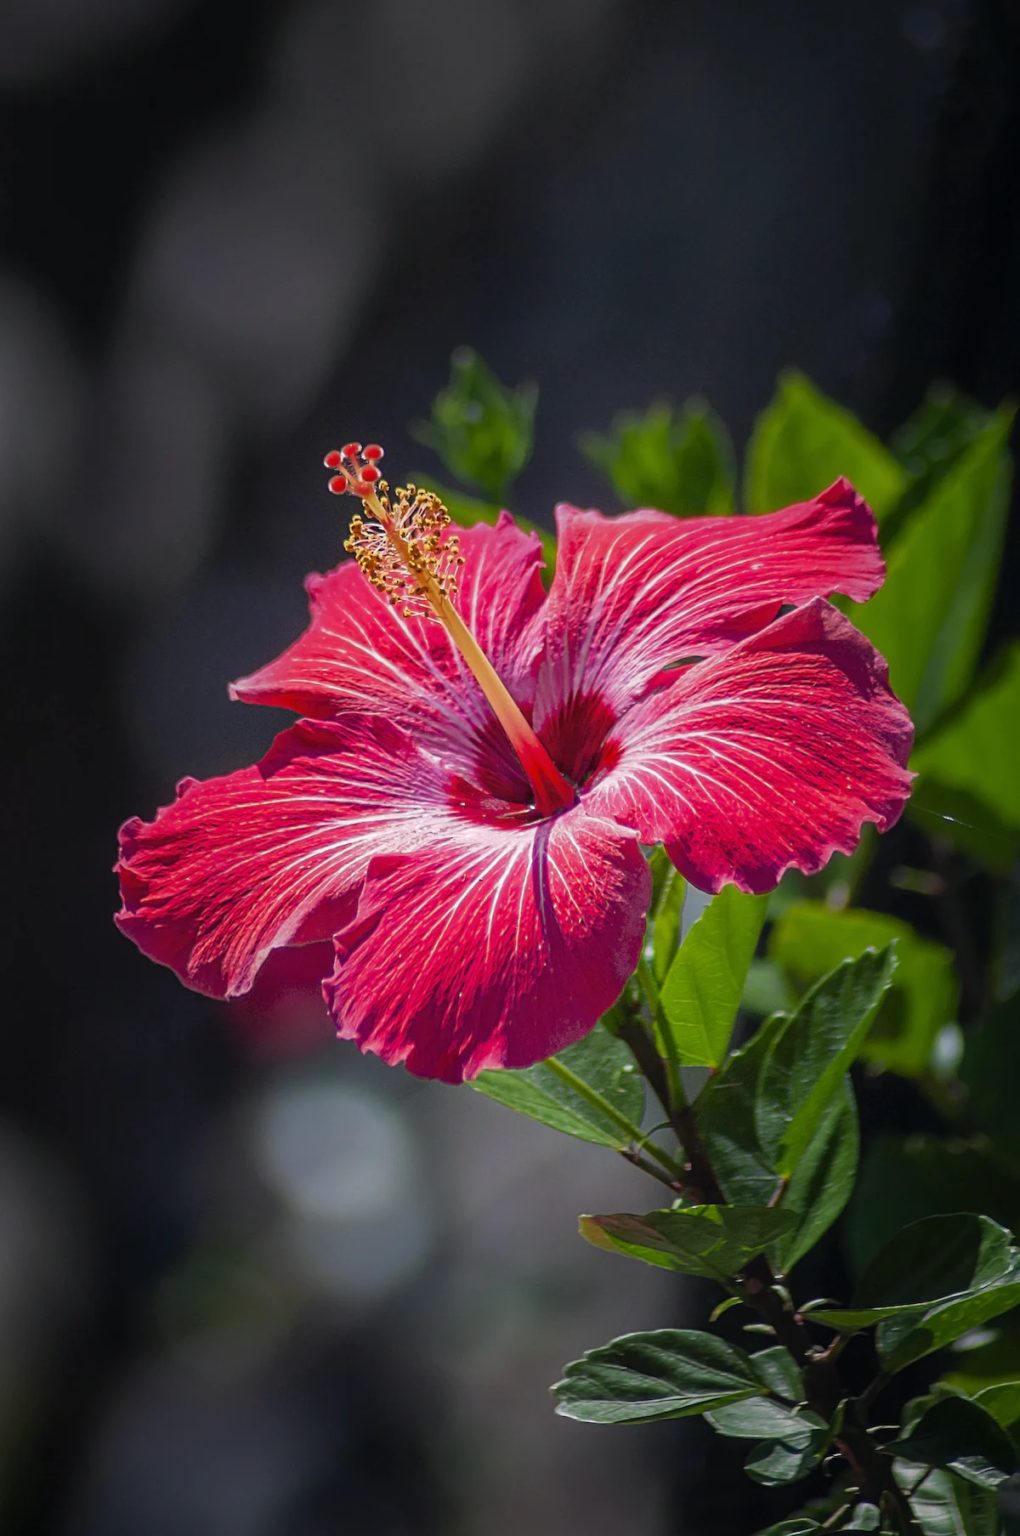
(408, 556)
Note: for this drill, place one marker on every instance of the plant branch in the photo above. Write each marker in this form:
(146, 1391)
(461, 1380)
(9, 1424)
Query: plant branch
(872, 1467)
(633, 1156)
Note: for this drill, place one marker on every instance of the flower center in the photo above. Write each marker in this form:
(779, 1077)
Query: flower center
(407, 553)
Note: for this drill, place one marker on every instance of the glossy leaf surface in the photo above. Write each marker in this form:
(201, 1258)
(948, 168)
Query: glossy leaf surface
(672, 1373)
(806, 1065)
(802, 441)
(712, 1240)
(701, 992)
(603, 1064)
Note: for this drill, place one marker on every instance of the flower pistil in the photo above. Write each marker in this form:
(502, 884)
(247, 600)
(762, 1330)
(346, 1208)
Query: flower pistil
(407, 553)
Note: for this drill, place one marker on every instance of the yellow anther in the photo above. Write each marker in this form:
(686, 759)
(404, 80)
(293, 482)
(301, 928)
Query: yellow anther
(406, 551)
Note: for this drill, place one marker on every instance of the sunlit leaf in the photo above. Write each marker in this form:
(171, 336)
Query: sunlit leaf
(943, 424)
(929, 618)
(822, 1181)
(726, 1116)
(712, 1240)
(702, 988)
(803, 441)
(678, 461)
(1002, 1401)
(481, 429)
(602, 1064)
(805, 1066)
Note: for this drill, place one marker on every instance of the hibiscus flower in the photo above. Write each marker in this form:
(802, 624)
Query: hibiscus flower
(463, 805)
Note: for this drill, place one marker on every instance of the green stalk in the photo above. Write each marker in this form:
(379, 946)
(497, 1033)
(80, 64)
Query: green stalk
(631, 1131)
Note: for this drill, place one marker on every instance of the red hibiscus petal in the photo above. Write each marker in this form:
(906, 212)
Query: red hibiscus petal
(273, 854)
(359, 653)
(493, 946)
(770, 756)
(634, 594)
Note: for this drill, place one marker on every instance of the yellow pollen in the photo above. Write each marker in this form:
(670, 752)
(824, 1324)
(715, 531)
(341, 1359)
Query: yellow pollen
(405, 551)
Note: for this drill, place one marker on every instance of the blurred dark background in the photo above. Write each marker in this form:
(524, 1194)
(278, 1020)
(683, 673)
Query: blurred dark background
(250, 1283)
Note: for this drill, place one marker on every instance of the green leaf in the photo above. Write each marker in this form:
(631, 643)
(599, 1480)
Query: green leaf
(807, 1062)
(803, 441)
(947, 1506)
(822, 1181)
(902, 1340)
(796, 1527)
(1002, 1401)
(603, 1065)
(945, 422)
(866, 1518)
(726, 1118)
(701, 993)
(672, 1373)
(481, 429)
(969, 764)
(905, 1178)
(933, 1283)
(780, 1373)
(786, 1461)
(929, 618)
(809, 939)
(958, 1434)
(712, 1240)
(762, 1418)
(940, 430)
(466, 511)
(677, 461)
(927, 1265)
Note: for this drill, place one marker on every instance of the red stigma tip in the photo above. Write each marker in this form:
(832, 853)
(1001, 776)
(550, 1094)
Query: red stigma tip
(350, 450)
(332, 459)
(338, 484)
(372, 452)
(370, 473)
